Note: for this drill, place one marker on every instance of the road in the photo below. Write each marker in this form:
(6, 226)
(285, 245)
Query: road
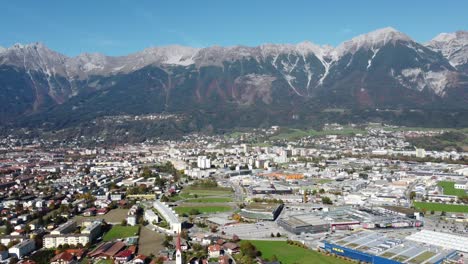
(409, 190)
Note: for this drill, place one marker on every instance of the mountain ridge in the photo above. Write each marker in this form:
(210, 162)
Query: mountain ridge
(383, 68)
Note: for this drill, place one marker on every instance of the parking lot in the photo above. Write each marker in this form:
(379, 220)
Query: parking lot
(252, 231)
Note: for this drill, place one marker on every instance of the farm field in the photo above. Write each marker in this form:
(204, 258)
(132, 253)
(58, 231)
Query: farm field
(289, 254)
(118, 231)
(454, 208)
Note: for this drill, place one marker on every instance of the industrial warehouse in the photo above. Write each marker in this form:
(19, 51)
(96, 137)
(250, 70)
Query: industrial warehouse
(372, 247)
(345, 218)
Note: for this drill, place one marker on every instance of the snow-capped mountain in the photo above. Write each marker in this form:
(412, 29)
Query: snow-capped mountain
(384, 68)
(454, 46)
(372, 40)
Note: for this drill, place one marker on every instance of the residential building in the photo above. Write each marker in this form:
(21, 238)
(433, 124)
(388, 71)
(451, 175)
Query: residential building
(22, 249)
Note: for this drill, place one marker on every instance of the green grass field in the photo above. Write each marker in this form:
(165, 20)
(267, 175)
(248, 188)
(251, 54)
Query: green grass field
(210, 200)
(449, 189)
(118, 231)
(191, 191)
(289, 254)
(292, 133)
(441, 207)
(322, 181)
(203, 209)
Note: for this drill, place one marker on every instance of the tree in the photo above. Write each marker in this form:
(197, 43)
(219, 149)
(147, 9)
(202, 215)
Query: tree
(40, 221)
(235, 238)
(184, 234)
(364, 176)
(124, 222)
(8, 228)
(164, 199)
(412, 195)
(443, 213)
(326, 200)
(194, 211)
(248, 249)
(3, 248)
(278, 234)
(322, 191)
(167, 241)
(12, 243)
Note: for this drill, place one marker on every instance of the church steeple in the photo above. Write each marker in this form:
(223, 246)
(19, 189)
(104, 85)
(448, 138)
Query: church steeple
(178, 250)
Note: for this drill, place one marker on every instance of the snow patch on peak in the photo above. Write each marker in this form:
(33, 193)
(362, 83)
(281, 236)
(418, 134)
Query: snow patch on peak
(30, 46)
(307, 47)
(445, 37)
(454, 46)
(174, 54)
(2, 49)
(371, 40)
(448, 37)
(17, 46)
(302, 48)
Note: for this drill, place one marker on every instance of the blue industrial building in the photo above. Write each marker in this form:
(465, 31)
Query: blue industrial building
(357, 255)
(370, 258)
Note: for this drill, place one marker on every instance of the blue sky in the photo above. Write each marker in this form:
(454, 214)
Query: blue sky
(121, 27)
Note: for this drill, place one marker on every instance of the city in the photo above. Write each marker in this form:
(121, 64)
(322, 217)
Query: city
(233, 132)
(237, 198)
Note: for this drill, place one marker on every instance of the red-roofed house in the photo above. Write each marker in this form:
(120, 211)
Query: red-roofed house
(231, 248)
(214, 251)
(64, 258)
(123, 256)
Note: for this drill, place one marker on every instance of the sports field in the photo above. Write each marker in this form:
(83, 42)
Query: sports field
(289, 254)
(210, 200)
(455, 208)
(204, 199)
(118, 231)
(202, 209)
(195, 192)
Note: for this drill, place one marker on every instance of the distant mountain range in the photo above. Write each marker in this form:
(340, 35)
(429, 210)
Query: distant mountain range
(239, 85)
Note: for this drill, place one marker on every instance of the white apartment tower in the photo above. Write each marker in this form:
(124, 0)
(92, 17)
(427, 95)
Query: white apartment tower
(203, 162)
